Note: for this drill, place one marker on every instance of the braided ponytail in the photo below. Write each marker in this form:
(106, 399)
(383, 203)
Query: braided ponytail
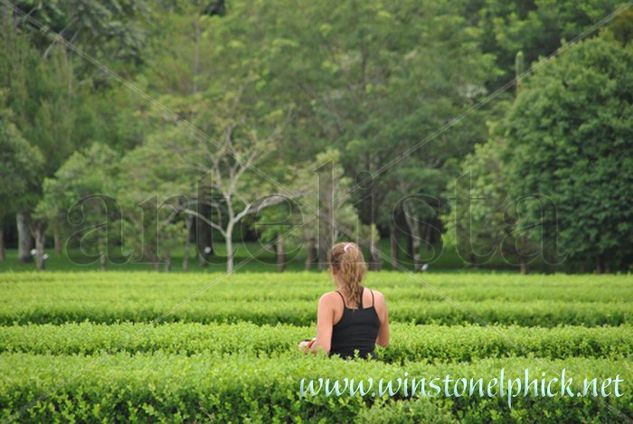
(346, 259)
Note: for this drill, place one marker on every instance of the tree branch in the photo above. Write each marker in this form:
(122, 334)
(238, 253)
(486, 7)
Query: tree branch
(204, 219)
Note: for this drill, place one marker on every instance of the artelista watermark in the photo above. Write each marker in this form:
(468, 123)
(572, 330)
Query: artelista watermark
(547, 385)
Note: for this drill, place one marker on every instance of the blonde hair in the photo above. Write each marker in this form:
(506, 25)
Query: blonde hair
(346, 259)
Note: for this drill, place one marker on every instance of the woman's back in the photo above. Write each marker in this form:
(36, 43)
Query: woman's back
(343, 324)
(357, 329)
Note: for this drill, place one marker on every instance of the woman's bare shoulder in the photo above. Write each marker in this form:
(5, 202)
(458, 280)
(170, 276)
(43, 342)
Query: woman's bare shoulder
(377, 293)
(328, 297)
(378, 296)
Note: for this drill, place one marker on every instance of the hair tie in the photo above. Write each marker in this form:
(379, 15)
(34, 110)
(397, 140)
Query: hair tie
(347, 245)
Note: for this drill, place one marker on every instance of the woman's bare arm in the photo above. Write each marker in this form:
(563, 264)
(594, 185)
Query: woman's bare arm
(383, 316)
(325, 322)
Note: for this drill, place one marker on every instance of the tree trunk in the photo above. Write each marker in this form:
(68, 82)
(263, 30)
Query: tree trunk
(409, 246)
(524, 267)
(393, 244)
(103, 262)
(374, 255)
(600, 265)
(323, 249)
(326, 218)
(414, 232)
(103, 258)
(281, 253)
(428, 236)
(229, 253)
(39, 234)
(2, 252)
(312, 254)
(25, 242)
(204, 236)
(57, 242)
(229, 248)
(185, 259)
(417, 260)
(167, 266)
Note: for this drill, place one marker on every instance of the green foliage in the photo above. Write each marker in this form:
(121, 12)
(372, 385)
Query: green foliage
(622, 26)
(79, 200)
(324, 201)
(42, 97)
(535, 27)
(372, 88)
(409, 411)
(21, 164)
(377, 91)
(422, 300)
(149, 194)
(400, 98)
(113, 31)
(482, 218)
(570, 135)
(431, 343)
(167, 387)
(543, 313)
(74, 348)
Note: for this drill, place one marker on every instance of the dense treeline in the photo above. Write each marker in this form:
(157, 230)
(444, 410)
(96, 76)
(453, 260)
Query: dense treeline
(139, 131)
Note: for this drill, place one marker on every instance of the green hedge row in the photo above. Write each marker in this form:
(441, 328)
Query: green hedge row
(409, 342)
(538, 313)
(151, 288)
(213, 388)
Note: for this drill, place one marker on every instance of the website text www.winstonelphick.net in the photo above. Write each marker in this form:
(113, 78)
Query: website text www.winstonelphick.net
(547, 385)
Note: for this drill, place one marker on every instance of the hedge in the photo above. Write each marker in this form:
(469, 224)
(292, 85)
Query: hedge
(537, 313)
(409, 342)
(54, 287)
(232, 388)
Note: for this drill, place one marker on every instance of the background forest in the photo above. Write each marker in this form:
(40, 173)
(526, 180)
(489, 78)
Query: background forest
(192, 134)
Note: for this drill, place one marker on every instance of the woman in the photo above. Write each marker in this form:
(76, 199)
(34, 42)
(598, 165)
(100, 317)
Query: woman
(351, 318)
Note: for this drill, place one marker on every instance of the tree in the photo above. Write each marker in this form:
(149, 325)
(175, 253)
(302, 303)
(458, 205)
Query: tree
(277, 226)
(326, 208)
(418, 194)
(227, 167)
(481, 224)
(535, 27)
(42, 98)
(219, 171)
(318, 213)
(21, 163)
(179, 67)
(219, 132)
(570, 135)
(83, 191)
(378, 90)
(150, 192)
(109, 31)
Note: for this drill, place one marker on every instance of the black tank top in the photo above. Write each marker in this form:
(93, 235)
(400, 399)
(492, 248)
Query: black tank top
(356, 330)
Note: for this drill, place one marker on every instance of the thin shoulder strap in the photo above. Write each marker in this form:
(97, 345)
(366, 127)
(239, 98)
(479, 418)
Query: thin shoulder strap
(360, 304)
(342, 298)
(372, 297)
